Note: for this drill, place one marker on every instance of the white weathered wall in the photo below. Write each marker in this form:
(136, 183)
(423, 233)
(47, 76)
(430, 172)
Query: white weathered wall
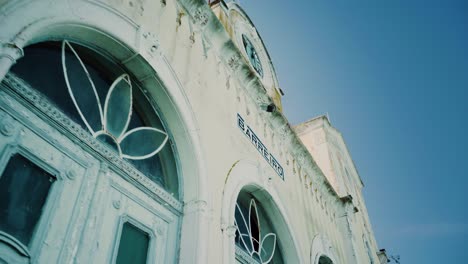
(207, 85)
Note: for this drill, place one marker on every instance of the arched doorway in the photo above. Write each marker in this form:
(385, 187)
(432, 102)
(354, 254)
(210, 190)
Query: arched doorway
(116, 38)
(81, 104)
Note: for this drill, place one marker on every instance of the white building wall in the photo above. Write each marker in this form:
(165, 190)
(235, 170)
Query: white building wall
(207, 84)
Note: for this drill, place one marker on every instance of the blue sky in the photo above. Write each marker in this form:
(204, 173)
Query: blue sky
(393, 77)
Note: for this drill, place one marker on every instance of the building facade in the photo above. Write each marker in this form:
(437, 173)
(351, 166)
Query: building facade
(138, 131)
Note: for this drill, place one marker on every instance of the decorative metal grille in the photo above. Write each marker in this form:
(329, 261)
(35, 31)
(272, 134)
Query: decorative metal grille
(116, 114)
(249, 239)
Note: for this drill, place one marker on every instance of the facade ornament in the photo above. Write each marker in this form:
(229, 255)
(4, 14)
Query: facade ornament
(199, 206)
(103, 168)
(201, 17)
(116, 204)
(301, 158)
(115, 115)
(9, 53)
(150, 44)
(283, 131)
(234, 62)
(192, 38)
(231, 231)
(7, 125)
(260, 100)
(160, 230)
(249, 240)
(154, 47)
(71, 174)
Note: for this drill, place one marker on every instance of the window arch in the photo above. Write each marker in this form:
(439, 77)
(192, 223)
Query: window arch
(243, 183)
(322, 250)
(325, 260)
(78, 80)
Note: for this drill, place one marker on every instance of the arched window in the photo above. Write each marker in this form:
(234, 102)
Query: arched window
(255, 235)
(325, 260)
(97, 93)
(90, 130)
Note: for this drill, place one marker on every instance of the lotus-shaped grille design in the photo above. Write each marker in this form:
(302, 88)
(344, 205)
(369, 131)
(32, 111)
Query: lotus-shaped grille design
(138, 143)
(255, 245)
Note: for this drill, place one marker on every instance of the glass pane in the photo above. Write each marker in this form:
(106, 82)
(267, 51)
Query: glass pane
(24, 188)
(83, 90)
(118, 107)
(151, 167)
(252, 55)
(42, 69)
(143, 141)
(325, 260)
(242, 220)
(133, 247)
(263, 244)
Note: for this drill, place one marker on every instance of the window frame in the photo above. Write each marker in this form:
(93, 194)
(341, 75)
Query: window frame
(152, 245)
(41, 227)
(257, 65)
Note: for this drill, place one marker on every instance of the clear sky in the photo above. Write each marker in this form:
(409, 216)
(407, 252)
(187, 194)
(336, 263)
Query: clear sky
(393, 77)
